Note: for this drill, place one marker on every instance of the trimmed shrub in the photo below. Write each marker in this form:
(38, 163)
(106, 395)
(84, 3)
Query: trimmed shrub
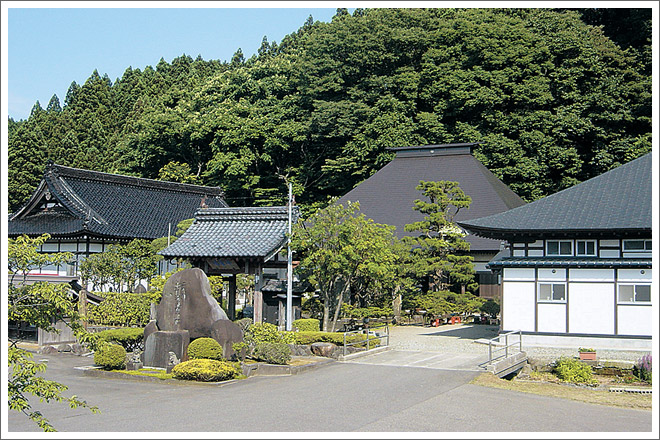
(110, 356)
(204, 370)
(573, 371)
(129, 338)
(262, 332)
(205, 348)
(307, 325)
(272, 353)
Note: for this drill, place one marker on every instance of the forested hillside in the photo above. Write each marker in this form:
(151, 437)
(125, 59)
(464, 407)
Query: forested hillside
(553, 99)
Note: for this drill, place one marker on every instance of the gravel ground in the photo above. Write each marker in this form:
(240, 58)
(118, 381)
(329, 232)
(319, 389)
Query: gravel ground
(461, 339)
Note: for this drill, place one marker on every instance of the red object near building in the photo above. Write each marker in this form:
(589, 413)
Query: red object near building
(455, 320)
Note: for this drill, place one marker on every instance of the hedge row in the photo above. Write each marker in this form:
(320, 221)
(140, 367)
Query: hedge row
(120, 309)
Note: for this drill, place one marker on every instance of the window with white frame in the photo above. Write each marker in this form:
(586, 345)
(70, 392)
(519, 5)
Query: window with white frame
(634, 294)
(637, 245)
(559, 248)
(585, 247)
(552, 292)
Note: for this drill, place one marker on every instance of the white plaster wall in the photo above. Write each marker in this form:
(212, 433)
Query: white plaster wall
(95, 247)
(591, 308)
(535, 252)
(548, 275)
(635, 320)
(519, 252)
(68, 247)
(591, 274)
(516, 274)
(609, 243)
(552, 318)
(634, 275)
(609, 253)
(518, 304)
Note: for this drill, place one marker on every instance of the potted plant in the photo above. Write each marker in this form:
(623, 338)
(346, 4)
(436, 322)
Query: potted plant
(587, 354)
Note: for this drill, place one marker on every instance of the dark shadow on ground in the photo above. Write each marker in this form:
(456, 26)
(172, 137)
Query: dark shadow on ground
(467, 332)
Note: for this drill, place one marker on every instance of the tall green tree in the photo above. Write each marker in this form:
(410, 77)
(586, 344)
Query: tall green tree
(341, 250)
(440, 248)
(41, 304)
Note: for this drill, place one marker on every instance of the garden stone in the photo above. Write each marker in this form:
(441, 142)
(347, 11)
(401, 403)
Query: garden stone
(226, 333)
(48, 349)
(159, 345)
(64, 348)
(324, 349)
(187, 304)
(300, 350)
(148, 330)
(79, 349)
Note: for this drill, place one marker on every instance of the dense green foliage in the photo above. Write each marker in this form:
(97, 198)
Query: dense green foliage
(573, 371)
(554, 98)
(129, 338)
(120, 309)
(110, 356)
(306, 325)
(490, 307)
(272, 352)
(205, 348)
(444, 302)
(349, 311)
(42, 305)
(205, 370)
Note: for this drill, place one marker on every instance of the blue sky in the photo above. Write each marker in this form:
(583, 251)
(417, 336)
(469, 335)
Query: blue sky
(48, 48)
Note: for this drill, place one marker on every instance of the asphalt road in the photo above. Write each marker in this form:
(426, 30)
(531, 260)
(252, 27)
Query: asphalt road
(339, 397)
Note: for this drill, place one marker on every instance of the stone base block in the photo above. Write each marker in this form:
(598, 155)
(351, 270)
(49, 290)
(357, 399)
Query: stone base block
(159, 344)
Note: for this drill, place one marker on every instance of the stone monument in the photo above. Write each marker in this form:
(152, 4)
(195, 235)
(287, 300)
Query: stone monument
(186, 311)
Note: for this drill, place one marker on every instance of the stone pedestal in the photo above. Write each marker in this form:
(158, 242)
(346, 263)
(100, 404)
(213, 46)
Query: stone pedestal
(160, 343)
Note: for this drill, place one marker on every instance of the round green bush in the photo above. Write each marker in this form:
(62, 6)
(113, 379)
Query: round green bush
(204, 370)
(573, 371)
(307, 325)
(272, 352)
(130, 338)
(110, 356)
(205, 348)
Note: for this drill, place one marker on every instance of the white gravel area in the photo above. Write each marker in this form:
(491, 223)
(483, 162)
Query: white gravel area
(460, 339)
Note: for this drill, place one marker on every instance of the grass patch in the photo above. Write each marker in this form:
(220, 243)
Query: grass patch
(599, 397)
(148, 372)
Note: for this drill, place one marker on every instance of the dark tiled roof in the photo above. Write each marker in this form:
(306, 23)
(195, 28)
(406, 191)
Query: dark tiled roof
(616, 201)
(388, 196)
(574, 262)
(109, 205)
(234, 232)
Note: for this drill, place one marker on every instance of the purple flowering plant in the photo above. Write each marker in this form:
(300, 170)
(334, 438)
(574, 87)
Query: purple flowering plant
(643, 368)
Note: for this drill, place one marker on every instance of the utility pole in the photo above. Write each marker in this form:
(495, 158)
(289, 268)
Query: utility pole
(289, 269)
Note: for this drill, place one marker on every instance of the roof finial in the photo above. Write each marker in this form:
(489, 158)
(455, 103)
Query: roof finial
(203, 204)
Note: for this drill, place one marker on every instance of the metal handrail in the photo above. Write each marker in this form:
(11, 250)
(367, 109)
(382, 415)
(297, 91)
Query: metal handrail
(506, 346)
(366, 330)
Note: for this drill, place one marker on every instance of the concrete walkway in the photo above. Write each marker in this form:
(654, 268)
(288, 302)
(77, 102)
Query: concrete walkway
(340, 397)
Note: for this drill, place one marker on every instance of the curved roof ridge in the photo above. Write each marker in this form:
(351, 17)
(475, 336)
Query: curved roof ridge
(100, 176)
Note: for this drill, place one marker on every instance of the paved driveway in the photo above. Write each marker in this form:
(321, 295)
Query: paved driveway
(340, 397)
